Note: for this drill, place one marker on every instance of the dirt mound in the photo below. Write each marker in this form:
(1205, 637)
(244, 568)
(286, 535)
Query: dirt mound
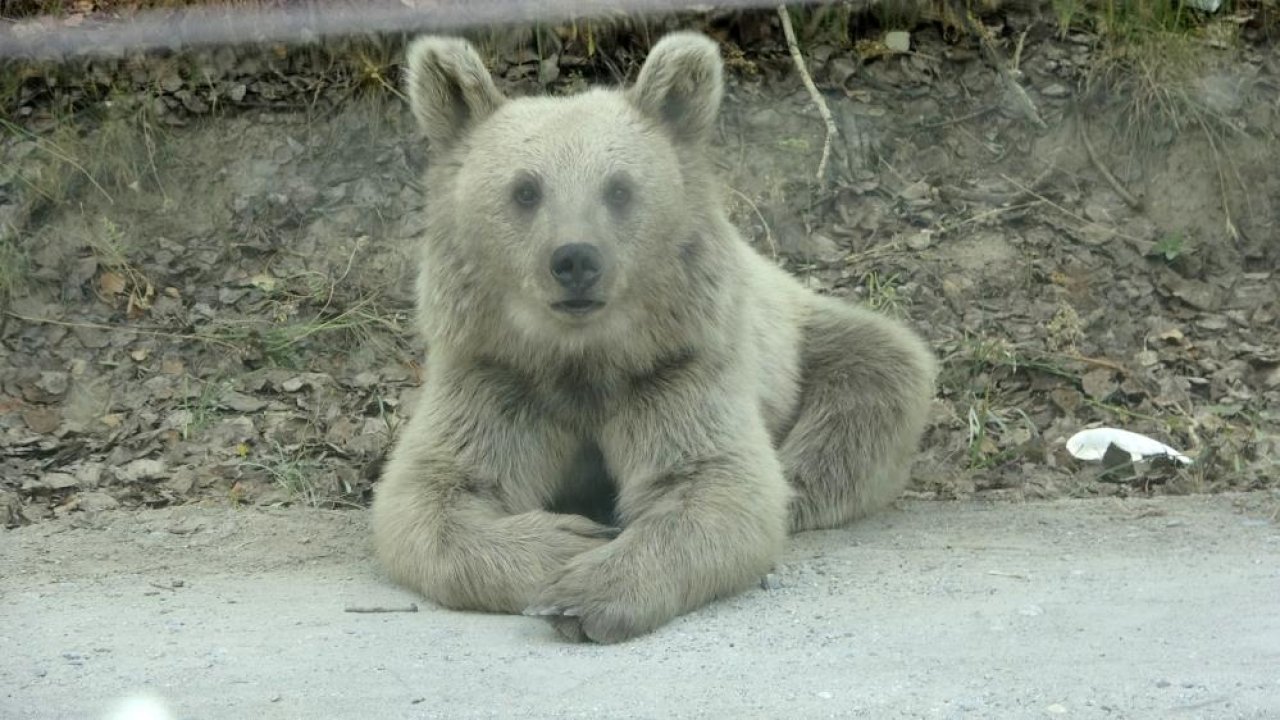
(216, 308)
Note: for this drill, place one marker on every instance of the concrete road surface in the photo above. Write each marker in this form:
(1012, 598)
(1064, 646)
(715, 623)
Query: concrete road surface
(1166, 608)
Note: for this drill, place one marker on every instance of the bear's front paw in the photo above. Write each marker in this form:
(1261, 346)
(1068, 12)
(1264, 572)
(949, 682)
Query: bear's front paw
(591, 600)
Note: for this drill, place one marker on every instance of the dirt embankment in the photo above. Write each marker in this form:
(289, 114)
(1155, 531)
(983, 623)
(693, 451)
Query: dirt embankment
(208, 284)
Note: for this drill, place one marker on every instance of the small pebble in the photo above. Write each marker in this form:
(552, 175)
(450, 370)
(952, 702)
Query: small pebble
(898, 41)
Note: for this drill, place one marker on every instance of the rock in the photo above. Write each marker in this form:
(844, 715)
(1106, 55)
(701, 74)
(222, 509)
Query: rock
(192, 102)
(42, 420)
(53, 384)
(898, 41)
(59, 481)
(920, 240)
(96, 502)
(1196, 293)
(840, 69)
(1146, 358)
(243, 403)
(171, 82)
(363, 379)
(809, 247)
(182, 482)
(159, 387)
(1099, 384)
(764, 118)
(1222, 94)
(142, 469)
(919, 191)
(1098, 213)
(549, 70)
(89, 474)
(311, 380)
(10, 509)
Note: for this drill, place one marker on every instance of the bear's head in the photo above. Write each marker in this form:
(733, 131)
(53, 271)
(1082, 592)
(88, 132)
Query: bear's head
(581, 219)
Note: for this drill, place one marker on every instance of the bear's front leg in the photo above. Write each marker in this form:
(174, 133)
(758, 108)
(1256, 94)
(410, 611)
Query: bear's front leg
(704, 504)
(458, 514)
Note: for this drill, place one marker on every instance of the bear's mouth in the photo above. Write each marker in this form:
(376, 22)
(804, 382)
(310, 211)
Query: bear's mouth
(577, 306)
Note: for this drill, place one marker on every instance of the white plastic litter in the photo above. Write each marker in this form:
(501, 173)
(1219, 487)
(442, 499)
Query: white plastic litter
(1092, 445)
(1205, 5)
(141, 707)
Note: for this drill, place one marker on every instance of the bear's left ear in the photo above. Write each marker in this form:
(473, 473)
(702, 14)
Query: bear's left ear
(680, 85)
(449, 89)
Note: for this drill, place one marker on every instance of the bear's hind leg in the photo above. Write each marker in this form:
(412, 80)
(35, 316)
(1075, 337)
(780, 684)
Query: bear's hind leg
(866, 385)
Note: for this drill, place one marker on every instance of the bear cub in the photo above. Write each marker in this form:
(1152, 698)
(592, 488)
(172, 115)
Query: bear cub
(626, 409)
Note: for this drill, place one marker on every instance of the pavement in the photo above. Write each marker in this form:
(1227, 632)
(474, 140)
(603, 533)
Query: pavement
(1102, 608)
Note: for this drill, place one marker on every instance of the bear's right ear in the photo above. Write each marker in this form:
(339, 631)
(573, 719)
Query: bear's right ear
(449, 88)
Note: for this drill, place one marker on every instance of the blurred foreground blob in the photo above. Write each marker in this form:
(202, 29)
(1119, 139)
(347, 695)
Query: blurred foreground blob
(140, 707)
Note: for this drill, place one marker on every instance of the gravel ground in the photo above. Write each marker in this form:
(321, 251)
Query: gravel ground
(1074, 608)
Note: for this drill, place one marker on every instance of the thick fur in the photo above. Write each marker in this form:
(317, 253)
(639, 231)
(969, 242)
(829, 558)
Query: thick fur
(710, 406)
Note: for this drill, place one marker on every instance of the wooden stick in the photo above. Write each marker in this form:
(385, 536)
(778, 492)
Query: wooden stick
(410, 608)
(1112, 180)
(794, 46)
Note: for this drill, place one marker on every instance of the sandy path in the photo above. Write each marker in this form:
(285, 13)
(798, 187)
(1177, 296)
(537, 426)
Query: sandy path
(1077, 609)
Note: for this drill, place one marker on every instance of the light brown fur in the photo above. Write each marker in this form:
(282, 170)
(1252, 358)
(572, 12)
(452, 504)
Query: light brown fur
(710, 406)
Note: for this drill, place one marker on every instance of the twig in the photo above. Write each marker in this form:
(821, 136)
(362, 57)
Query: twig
(997, 198)
(1017, 50)
(410, 608)
(987, 214)
(958, 119)
(1065, 211)
(121, 328)
(768, 233)
(1112, 180)
(794, 46)
(1100, 362)
(1222, 178)
(1007, 75)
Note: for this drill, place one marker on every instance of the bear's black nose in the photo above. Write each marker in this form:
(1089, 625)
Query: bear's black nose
(576, 266)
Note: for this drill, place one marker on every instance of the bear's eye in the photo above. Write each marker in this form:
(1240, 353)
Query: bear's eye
(527, 192)
(617, 193)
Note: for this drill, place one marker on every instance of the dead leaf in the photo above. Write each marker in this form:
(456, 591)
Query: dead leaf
(112, 284)
(1066, 399)
(263, 281)
(1099, 384)
(1196, 293)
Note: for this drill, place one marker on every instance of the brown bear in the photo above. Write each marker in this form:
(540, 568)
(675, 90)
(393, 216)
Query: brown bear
(625, 408)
